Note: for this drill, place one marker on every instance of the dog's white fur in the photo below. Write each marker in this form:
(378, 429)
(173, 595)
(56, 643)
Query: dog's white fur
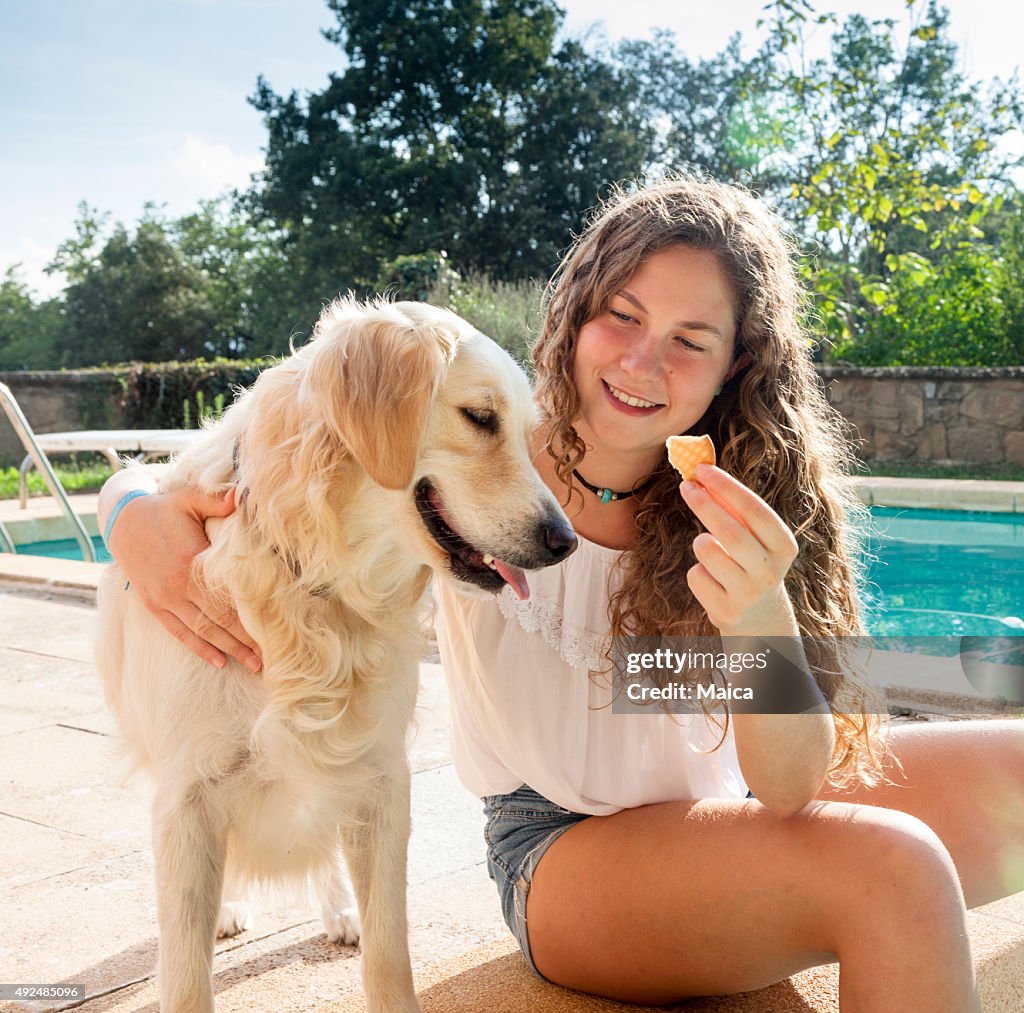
(326, 558)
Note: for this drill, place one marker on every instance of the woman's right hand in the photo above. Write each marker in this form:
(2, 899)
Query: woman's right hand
(155, 539)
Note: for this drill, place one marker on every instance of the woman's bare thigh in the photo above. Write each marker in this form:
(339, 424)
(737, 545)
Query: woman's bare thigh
(719, 896)
(965, 779)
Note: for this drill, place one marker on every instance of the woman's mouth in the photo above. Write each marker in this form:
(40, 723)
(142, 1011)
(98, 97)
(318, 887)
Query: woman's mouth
(628, 404)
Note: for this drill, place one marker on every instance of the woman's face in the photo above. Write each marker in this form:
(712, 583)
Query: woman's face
(649, 365)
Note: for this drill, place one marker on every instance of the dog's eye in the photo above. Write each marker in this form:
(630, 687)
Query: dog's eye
(482, 419)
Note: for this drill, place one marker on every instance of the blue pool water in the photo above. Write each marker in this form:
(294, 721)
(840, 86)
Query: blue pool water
(64, 548)
(942, 572)
(936, 573)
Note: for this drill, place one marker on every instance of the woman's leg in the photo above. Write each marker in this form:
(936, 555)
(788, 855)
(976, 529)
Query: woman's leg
(965, 779)
(666, 901)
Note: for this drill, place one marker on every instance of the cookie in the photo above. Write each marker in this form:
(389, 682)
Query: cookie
(686, 452)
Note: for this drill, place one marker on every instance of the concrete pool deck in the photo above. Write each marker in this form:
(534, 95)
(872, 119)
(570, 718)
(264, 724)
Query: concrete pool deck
(76, 887)
(941, 494)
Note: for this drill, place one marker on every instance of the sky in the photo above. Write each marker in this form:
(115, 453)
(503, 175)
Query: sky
(122, 102)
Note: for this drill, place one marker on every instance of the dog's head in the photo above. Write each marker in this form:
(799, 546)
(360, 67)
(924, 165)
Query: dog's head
(428, 406)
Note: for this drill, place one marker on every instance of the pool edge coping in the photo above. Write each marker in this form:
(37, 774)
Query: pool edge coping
(960, 494)
(67, 578)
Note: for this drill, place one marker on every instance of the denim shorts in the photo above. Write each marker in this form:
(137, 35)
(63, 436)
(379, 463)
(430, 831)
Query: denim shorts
(521, 826)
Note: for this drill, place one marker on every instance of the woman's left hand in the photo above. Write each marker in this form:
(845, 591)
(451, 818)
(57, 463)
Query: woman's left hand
(742, 558)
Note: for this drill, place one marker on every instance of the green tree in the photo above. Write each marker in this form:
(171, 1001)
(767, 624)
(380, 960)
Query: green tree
(460, 126)
(77, 256)
(723, 114)
(899, 165)
(248, 282)
(28, 329)
(137, 298)
(1009, 242)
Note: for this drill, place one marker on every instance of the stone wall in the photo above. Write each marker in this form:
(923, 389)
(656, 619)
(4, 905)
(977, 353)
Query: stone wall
(930, 414)
(59, 401)
(912, 414)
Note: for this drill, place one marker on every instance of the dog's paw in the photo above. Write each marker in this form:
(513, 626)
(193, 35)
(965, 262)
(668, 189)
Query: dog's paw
(235, 916)
(388, 1002)
(342, 926)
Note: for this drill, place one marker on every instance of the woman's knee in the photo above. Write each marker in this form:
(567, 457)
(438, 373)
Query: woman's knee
(903, 844)
(897, 871)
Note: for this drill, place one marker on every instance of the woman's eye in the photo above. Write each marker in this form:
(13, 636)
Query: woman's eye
(624, 317)
(686, 343)
(485, 420)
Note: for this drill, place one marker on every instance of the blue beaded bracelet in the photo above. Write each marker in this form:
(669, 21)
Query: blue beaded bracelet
(118, 507)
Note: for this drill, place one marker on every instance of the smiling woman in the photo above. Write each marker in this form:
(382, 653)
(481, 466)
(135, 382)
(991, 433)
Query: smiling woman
(659, 352)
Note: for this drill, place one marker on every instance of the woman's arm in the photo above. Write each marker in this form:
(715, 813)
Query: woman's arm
(155, 538)
(743, 559)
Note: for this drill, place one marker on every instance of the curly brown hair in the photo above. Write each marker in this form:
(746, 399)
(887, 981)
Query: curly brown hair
(773, 427)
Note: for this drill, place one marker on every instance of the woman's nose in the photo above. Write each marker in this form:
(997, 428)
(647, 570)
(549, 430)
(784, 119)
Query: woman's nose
(642, 355)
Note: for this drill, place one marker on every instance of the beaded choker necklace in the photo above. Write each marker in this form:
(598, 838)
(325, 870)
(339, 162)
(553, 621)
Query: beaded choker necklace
(608, 495)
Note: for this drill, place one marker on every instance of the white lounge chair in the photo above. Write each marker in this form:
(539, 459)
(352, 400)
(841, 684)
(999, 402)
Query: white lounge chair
(112, 443)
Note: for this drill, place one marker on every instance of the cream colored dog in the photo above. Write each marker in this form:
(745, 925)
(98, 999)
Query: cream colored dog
(393, 444)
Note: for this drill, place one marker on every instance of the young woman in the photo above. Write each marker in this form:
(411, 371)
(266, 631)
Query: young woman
(647, 856)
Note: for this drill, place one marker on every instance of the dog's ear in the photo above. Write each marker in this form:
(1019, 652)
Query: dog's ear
(374, 375)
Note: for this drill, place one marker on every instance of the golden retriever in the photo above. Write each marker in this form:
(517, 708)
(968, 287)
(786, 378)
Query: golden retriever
(394, 444)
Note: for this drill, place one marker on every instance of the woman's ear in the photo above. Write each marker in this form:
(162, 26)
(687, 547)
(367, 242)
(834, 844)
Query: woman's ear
(740, 363)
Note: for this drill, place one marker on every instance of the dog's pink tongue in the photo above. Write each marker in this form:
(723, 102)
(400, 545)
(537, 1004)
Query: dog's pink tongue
(514, 577)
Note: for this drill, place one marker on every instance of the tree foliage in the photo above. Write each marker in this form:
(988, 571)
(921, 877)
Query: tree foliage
(211, 283)
(29, 330)
(462, 143)
(463, 127)
(247, 278)
(896, 171)
(721, 114)
(137, 293)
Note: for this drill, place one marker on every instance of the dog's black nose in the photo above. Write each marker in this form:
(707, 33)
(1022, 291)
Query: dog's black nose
(559, 540)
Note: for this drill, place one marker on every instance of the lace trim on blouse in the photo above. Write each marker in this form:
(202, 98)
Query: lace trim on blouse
(578, 648)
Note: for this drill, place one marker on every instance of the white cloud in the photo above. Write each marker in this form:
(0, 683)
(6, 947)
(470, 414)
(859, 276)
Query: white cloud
(31, 257)
(174, 170)
(212, 165)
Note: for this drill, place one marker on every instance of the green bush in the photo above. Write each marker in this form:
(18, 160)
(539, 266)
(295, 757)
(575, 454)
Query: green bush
(162, 395)
(86, 474)
(417, 276)
(507, 311)
(950, 313)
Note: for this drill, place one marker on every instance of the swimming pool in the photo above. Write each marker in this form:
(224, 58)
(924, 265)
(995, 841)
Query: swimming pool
(943, 572)
(64, 548)
(931, 572)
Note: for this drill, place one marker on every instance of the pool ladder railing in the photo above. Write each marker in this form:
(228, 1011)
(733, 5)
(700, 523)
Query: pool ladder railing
(42, 462)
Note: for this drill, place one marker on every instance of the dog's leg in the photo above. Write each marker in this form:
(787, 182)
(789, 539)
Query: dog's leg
(235, 914)
(338, 904)
(234, 917)
(189, 844)
(376, 847)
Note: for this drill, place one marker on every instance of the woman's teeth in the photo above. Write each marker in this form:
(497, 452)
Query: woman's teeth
(629, 399)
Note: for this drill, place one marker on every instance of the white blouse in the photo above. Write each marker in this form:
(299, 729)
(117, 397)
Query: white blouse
(526, 710)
